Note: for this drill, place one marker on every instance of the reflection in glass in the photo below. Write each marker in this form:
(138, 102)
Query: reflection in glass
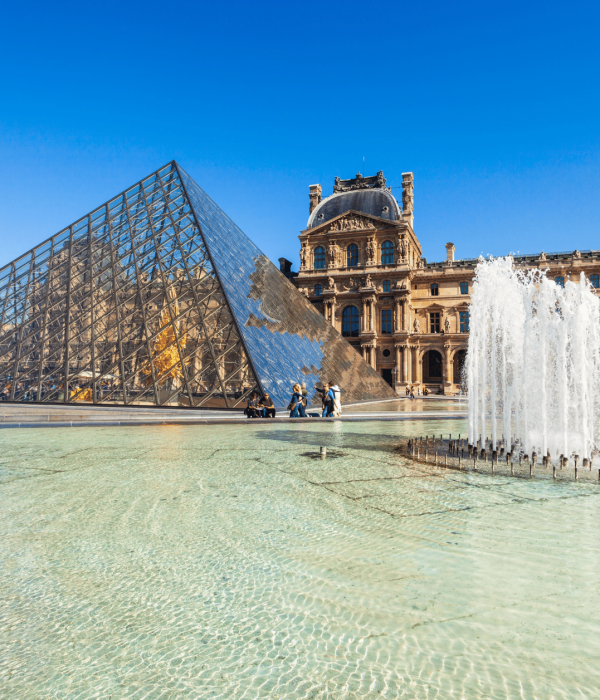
(319, 256)
(387, 253)
(157, 298)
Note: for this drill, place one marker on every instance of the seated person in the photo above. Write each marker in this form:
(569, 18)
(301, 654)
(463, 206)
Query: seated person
(252, 410)
(268, 408)
(425, 391)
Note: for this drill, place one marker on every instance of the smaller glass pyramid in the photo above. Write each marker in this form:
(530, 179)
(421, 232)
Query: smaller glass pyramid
(158, 298)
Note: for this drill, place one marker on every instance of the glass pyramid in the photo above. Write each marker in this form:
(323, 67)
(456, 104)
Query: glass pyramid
(158, 298)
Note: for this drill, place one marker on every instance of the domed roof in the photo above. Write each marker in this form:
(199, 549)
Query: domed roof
(367, 195)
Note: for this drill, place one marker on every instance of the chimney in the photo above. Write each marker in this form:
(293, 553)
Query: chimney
(315, 196)
(408, 197)
(450, 252)
(285, 266)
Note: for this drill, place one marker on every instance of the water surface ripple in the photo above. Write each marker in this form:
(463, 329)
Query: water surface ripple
(224, 562)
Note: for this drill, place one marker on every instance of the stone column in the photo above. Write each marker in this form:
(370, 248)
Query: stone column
(399, 375)
(448, 368)
(418, 366)
(369, 304)
(399, 314)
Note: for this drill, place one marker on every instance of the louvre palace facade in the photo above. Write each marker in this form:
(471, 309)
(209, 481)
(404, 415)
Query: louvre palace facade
(361, 265)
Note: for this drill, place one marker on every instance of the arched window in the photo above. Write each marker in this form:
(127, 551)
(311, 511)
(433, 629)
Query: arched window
(386, 321)
(320, 258)
(435, 290)
(464, 287)
(387, 253)
(318, 290)
(352, 255)
(350, 322)
(595, 280)
(560, 281)
(387, 286)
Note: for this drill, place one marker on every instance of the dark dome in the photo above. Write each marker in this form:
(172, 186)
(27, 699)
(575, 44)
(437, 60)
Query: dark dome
(375, 202)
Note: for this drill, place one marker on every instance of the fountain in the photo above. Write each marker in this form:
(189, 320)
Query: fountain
(533, 363)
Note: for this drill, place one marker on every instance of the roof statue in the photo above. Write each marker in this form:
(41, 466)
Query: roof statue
(360, 183)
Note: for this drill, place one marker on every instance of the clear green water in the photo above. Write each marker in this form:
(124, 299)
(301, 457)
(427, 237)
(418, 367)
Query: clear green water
(220, 562)
(409, 405)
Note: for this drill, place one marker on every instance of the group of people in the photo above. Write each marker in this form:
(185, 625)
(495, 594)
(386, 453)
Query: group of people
(260, 408)
(410, 391)
(330, 400)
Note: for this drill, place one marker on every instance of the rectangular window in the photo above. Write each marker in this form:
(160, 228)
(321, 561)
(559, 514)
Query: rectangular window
(595, 280)
(464, 321)
(434, 322)
(464, 287)
(435, 290)
(386, 321)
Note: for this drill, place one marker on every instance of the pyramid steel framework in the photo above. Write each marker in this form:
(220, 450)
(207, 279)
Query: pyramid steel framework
(158, 298)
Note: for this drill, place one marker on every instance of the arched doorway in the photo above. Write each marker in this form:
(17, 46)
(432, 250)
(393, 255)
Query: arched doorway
(432, 367)
(458, 366)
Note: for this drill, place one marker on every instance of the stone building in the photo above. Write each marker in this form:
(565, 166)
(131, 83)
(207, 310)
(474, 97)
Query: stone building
(361, 264)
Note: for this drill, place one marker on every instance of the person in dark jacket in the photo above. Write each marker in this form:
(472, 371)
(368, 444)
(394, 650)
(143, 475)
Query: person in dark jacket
(252, 411)
(268, 407)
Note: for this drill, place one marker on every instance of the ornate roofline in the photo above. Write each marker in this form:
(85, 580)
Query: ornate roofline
(313, 215)
(360, 182)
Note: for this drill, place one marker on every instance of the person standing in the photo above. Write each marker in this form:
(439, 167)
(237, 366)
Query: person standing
(336, 396)
(296, 404)
(327, 400)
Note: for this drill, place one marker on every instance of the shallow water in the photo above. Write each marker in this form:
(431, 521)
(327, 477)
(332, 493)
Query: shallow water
(410, 405)
(227, 562)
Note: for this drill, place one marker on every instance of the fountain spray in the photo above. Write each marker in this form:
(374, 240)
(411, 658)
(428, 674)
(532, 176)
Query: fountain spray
(533, 363)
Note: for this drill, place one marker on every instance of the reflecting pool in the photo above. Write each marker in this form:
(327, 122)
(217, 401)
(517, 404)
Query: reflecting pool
(409, 405)
(231, 562)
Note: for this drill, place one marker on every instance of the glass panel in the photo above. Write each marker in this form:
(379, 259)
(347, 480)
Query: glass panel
(289, 340)
(126, 307)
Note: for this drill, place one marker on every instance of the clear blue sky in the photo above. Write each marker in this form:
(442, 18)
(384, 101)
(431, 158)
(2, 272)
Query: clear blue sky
(493, 106)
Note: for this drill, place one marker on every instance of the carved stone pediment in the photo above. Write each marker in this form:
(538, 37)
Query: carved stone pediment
(351, 222)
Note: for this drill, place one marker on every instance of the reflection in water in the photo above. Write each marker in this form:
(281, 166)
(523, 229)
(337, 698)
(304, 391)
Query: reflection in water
(408, 406)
